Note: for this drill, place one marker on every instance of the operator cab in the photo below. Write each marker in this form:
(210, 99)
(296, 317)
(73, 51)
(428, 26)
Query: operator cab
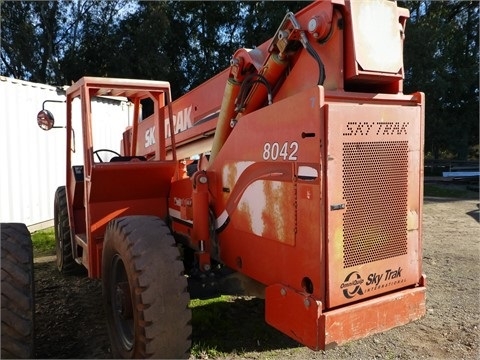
(104, 181)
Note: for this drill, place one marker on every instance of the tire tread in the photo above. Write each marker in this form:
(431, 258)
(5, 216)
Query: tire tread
(18, 305)
(161, 292)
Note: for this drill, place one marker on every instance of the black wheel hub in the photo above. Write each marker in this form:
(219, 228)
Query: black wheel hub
(122, 306)
(122, 301)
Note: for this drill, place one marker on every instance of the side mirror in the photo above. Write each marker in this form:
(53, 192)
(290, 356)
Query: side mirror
(45, 120)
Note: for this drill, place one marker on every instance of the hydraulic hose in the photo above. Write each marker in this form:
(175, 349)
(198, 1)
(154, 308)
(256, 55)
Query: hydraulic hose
(316, 57)
(247, 85)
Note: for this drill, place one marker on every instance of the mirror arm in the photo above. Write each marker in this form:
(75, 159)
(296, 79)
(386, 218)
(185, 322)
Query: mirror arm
(53, 101)
(45, 119)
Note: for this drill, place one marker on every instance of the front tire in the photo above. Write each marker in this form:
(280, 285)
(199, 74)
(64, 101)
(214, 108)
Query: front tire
(18, 295)
(66, 263)
(144, 290)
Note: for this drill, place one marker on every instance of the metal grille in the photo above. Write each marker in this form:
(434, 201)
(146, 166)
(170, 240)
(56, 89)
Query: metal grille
(375, 179)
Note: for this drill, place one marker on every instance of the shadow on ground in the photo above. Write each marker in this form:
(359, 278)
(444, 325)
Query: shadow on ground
(236, 325)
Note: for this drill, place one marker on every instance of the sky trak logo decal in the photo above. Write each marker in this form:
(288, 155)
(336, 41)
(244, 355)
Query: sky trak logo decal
(351, 285)
(354, 284)
(354, 128)
(182, 121)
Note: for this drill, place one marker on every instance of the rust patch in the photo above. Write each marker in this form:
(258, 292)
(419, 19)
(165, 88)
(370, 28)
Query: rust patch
(279, 212)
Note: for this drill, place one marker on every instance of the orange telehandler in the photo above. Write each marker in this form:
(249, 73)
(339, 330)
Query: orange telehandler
(296, 174)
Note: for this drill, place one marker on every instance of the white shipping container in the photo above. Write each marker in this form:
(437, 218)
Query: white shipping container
(32, 161)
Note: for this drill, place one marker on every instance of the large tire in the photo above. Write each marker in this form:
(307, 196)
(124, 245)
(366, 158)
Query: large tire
(18, 295)
(144, 290)
(66, 263)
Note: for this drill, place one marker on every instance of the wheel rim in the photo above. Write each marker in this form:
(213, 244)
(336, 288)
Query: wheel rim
(122, 306)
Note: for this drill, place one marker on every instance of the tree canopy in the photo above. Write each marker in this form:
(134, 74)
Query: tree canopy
(187, 42)
(441, 59)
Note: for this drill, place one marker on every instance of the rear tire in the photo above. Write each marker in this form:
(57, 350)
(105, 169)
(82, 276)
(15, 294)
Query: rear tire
(66, 263)
(144, 290)
(18, 304)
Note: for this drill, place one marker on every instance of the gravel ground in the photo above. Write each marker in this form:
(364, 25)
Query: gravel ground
(70, 322)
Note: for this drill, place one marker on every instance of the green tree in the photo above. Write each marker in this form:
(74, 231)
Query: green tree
(262, 19)
(184, 42)
(92, 44)
(441, 59)
(29, 39)
(56, 42)
(188, 42)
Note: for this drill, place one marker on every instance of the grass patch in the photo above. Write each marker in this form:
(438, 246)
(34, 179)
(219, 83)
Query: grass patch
(204, 351)
(44, 242)
(207, 315)
(449, 191)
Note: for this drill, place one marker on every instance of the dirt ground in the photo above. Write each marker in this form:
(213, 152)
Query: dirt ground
(70, 322)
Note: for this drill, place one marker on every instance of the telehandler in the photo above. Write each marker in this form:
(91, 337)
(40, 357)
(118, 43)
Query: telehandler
(296, 174)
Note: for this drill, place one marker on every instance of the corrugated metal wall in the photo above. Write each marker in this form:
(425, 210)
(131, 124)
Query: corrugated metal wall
(32, 161)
